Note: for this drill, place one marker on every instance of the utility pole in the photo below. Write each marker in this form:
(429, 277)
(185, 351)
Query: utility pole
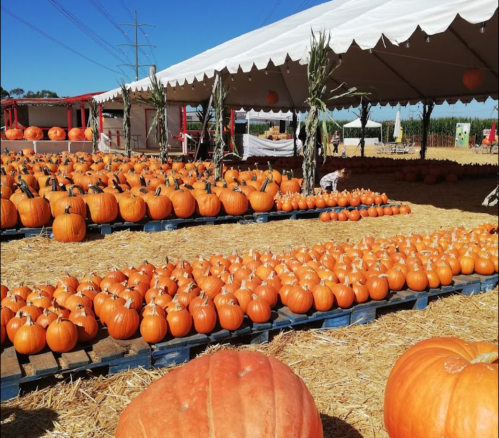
(136, 45)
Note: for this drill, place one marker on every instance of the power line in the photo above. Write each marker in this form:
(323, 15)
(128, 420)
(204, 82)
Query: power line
(89, 32)
(125, 7)
(103, 11)
(57, 41)
(276, 4)
(136, 45)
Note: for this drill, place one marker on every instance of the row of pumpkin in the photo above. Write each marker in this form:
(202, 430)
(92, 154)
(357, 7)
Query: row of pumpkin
(34, 133)
(174, 298)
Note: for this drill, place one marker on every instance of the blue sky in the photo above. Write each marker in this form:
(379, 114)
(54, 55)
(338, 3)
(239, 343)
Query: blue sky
(181, 30)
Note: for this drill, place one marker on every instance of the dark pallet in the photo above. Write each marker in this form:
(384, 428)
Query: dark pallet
(175, 224)
(113, 356)
(409, 299)
(104, 354)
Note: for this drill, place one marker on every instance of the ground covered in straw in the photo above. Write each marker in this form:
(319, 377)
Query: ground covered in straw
(346, 369)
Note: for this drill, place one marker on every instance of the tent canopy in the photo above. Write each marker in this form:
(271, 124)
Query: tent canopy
(397, 50)
(262, 115)
(358, 124)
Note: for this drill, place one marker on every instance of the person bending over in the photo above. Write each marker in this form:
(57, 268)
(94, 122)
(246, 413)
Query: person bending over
(330, 181)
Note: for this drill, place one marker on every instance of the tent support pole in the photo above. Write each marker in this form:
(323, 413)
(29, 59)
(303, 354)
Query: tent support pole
(428, 108)
(364, 117)
(295, 128)
(205, 121)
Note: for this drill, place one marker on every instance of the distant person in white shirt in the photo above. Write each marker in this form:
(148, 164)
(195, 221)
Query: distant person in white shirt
(329, 182)
(336, 142)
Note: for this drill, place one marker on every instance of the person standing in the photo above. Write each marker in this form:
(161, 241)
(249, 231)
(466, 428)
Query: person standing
(336, 143)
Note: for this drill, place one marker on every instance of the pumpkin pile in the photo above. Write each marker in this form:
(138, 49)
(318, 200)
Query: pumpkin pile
(72, 188)
(175, 299)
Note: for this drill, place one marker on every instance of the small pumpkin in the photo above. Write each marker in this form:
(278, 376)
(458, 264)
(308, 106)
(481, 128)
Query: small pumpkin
(123, 321)
(153, 327)
(29, 338)
(69, 227)
(62, 335)
(76, 134)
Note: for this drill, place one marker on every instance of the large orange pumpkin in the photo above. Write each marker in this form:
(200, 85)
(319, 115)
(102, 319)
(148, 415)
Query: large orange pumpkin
(443, 387)
(57, 133)
(14, 134)
(33, 133)
(263, 396)
(76, 134)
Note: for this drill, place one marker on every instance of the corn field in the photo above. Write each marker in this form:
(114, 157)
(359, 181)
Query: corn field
(442, 131)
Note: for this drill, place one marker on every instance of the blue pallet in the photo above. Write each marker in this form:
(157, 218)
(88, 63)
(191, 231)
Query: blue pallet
(174, 224)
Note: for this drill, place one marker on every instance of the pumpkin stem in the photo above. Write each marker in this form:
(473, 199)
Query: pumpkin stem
(486, 357)
(66, 210)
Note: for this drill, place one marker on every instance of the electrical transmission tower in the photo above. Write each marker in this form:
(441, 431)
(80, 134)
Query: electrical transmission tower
(136, 45)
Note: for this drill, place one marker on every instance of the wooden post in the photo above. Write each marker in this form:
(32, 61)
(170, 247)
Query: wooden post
(82, 111)
(68, 107)
(15, 115)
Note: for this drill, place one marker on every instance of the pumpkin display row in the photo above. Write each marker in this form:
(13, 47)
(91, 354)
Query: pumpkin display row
(176, 298)
(56, 134)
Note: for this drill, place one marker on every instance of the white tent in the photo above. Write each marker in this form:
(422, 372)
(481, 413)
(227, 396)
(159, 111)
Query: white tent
(254, 146)
(400, 51)
(357, 123)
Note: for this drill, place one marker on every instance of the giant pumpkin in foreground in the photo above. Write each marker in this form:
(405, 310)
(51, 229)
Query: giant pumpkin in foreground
(228, 394)
(443, 387)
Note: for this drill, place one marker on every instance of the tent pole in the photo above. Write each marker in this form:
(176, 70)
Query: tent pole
(428, 108)
(364, 117)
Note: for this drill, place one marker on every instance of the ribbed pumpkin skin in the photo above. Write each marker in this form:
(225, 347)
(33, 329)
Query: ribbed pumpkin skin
(434, 391)
(263, 396)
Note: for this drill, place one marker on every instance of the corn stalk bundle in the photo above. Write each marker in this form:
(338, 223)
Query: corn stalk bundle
(319, 70)
(125, 94)
(158, 124)
(94, 112)
(219, 97)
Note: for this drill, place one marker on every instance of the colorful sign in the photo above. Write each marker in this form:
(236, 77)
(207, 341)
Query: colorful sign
(462, 135)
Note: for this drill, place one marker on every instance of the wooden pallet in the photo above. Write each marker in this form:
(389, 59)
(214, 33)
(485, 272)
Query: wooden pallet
(105, 354)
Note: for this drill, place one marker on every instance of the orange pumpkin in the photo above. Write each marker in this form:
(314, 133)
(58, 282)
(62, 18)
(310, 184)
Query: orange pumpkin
(33, 133)
(280, 402)
(57, 133)
(14, 134)
(89, 133)
(76, 134)
(443, 387)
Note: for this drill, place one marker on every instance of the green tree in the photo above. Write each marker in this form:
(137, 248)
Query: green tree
(4, 93)
(17, 92)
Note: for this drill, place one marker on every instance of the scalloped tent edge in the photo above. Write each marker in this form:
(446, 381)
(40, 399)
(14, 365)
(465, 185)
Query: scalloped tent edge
(357, 28)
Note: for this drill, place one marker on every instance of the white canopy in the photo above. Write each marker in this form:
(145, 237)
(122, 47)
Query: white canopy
(386, 50)
(358, 124)
(265, 115)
